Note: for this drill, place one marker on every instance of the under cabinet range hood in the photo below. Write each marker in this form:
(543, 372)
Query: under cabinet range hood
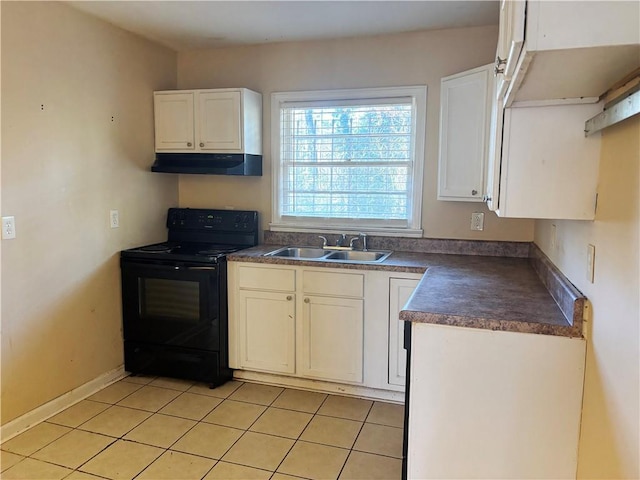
(241, 164)
(212, 132)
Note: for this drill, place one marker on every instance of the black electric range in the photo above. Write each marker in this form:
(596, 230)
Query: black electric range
(174, 295)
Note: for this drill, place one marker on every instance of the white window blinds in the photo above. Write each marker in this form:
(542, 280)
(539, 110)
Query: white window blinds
(347, 161)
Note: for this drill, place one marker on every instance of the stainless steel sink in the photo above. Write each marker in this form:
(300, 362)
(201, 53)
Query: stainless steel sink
(359, 256)
(320, 254)
(297, 252)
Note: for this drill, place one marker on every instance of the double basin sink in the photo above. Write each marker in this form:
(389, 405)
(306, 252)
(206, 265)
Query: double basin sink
(328, 255)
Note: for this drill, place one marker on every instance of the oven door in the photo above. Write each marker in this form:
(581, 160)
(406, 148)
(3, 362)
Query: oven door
(172, 305)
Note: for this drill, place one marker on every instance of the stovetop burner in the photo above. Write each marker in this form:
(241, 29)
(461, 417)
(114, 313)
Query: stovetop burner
(185, 251)
(157, 248)
(201, 235)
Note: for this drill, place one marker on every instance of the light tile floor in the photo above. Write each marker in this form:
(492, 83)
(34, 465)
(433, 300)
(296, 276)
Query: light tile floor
(155, 428)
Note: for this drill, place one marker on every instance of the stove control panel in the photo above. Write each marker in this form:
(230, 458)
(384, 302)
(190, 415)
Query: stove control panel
(216, 220)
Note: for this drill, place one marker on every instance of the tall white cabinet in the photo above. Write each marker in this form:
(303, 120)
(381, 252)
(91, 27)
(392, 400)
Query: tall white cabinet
(465, 115)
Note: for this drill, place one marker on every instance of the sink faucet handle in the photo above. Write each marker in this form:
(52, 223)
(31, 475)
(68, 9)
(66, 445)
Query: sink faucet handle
(352, 241)
(342, 239)
(324, 240)
(363, 236)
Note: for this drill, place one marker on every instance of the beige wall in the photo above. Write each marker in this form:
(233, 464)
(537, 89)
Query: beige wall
(609, 444)
(64, 166)
(405, 59)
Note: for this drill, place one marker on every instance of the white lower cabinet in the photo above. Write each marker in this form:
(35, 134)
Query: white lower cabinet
(400, 289)
(267, 329)
(491, 404)
(332, 338)
(321, 328)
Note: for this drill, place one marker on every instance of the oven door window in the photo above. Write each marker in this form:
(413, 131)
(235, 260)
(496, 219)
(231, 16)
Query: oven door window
(162, 304)
(171, 299)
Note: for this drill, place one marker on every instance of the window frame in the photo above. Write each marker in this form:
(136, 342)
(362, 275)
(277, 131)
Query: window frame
(418, 95)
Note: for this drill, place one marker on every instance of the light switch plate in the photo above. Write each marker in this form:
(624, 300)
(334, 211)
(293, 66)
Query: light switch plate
(114, 218)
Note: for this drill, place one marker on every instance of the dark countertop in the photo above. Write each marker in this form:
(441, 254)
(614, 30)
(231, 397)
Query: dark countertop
(495, 293)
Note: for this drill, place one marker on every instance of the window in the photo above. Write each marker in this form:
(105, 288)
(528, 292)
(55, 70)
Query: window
(349, 160)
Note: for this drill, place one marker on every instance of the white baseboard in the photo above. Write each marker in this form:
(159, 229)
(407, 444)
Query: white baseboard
(55, 406)
(319, 386)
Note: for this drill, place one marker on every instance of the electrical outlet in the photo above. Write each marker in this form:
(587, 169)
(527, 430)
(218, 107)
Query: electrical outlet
(591, 261)
(114, 218)
(477, 221)
(8, 228)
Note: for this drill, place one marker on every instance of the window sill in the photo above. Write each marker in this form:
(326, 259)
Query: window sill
(382, 232)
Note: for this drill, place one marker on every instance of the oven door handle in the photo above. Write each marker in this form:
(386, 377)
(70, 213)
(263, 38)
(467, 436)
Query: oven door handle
(198, 268)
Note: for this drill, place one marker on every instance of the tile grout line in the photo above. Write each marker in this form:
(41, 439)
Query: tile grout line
(270, 405)
(297, 439)
(356, 439)
(116, 439)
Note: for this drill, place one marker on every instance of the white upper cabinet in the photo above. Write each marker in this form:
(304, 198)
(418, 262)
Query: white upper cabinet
(553, 61)
(465, 108)
(219, 123)
(174, 121)
(548, 168)
(558, 49)
(510, 41)
(227, 120)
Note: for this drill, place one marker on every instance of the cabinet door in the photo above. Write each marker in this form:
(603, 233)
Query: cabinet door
(494, 156)
(267, 331)
(219, 125)
(400, 289)
(510, 41)
(332, 338)
(495, 387)
(548, 168)
(465, 102)
(173, 113)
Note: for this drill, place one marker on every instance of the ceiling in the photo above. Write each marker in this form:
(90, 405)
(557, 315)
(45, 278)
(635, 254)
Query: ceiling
(186, 25)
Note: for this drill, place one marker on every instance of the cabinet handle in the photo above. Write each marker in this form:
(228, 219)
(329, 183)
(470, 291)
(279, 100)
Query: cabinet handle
(201, 144)
(289, 297)
(306, 300)
(499, 63)
(474, 192)
(189, 144)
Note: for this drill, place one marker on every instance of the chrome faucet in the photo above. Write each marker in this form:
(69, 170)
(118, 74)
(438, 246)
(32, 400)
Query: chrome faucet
(341, 243)
(363, 238)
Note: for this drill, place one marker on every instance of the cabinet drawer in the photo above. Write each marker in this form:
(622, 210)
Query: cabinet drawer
(330, 283)
(277, 279)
